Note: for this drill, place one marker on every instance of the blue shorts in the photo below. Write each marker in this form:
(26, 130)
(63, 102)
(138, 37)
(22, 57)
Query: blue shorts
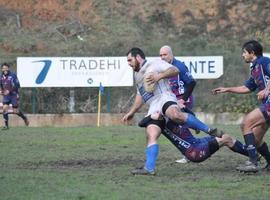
(195, 149)
(11, 99)
(200, 149)
(265, 109)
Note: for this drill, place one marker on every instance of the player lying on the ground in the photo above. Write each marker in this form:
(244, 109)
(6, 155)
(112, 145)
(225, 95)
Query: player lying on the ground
(195, 149)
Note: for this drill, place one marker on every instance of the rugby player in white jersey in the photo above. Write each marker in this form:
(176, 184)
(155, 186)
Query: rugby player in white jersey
(161, 100)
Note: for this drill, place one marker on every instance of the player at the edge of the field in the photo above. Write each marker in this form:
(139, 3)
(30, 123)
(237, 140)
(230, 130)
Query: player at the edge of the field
(9, 85)
(256, 123)
(161, 100)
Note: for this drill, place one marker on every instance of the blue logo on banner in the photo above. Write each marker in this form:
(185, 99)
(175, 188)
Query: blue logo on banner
(43, 73)
(90, 81)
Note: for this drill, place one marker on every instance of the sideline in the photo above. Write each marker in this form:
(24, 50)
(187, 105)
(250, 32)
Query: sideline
(108, 119)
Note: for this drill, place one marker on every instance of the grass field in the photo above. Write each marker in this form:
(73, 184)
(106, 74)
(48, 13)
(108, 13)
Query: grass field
(94, 163)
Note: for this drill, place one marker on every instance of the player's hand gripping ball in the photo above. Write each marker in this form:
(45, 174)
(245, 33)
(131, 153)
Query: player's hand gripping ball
(148, 84)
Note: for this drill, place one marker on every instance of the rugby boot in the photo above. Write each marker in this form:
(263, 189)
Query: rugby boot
(215, 132)
(183, 160)
(4, 128)
(142, 171)
(248, 167)
(267, 167)
(26, 122)
(259, 156)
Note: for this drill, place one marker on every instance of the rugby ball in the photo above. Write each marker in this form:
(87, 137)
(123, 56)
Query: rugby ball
(149, 87)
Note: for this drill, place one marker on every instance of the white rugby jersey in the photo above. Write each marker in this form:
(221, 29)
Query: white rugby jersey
(162, 92)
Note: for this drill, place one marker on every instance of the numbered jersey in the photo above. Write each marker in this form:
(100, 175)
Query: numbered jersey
(162, 92)
(259, 76)
(9, 82)
(180, 82)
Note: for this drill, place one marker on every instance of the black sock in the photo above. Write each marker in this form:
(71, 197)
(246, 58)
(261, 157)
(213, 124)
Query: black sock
(264, 151)
(213, 146)
(251, 149)
(20, 114)
(239, 148)
(5, 115)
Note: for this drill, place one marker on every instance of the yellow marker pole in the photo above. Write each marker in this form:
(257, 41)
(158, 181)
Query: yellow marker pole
(99, 105)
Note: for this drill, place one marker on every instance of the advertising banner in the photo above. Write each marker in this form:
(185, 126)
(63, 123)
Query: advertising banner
(93, 71)
(74, 71)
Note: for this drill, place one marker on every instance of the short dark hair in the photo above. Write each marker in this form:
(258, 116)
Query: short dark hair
(136, 51)
(5, 64)
(253, 46)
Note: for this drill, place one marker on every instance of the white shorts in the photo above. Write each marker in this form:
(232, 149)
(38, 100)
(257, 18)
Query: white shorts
(157, 104)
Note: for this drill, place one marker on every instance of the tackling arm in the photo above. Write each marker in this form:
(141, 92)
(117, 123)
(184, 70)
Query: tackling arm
(238, 89)
(170, 72)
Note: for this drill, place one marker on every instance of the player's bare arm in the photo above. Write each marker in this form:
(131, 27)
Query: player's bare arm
(170, 72)
(155, 77)
(263, 93)
(136, 106)
(239, 89)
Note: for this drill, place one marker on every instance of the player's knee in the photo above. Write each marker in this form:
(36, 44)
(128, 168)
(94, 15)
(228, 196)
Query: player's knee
(152, 133)
(151, 139)
(178, 116)
(243, 126)
(5, 107)
(246, 125)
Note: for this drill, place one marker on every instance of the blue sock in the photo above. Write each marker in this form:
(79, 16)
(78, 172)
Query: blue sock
(151, 157)
(251, 149)
(239, 148)
(194, 123)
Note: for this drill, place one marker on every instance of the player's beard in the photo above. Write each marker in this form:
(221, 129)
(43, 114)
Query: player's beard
(136, 65)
